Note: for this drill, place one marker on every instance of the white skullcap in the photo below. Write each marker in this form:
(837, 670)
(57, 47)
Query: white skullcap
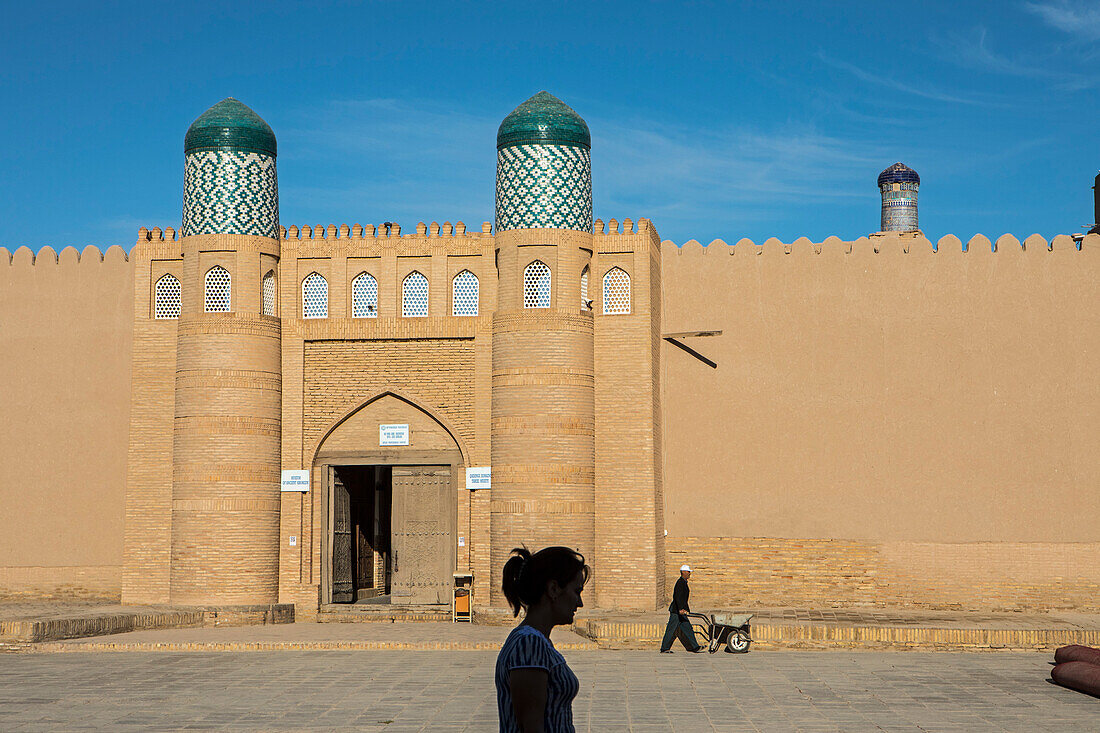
(685, 567)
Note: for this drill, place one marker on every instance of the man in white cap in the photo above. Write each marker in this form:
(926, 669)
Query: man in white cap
(677, 616)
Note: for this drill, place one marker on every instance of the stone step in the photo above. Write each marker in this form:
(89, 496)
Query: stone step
(383, 613)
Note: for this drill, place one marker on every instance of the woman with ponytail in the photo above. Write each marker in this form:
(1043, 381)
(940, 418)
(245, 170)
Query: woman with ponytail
(535, 687)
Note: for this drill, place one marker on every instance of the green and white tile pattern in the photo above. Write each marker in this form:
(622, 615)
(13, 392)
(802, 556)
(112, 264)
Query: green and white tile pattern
(544, 186)
(230, 192)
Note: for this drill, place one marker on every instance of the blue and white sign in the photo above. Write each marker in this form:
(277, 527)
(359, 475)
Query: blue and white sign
(295, 481)
(393, 434)
(479, 478)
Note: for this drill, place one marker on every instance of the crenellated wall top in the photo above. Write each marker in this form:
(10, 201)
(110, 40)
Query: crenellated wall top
(889, 243)
(67, 256)
(384, 231)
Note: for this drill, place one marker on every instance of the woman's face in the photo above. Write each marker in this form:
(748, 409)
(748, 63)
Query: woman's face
(567, 599)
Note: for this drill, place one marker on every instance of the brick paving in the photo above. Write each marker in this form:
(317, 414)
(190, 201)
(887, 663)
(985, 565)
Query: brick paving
(396, 691)
(360, 636)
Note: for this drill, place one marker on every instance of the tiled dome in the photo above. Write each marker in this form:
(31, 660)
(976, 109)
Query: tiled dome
(230, 125)
(898, 173)
(543, 119)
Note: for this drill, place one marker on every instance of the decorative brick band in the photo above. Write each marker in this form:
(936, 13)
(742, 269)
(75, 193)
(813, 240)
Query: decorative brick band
(545, 424)
(222, 472)
(542, 320)
(200, 379)
(230, 425)
(226, 505)
(548, 379)
(229, 324)
(542, 507)
(543, 473)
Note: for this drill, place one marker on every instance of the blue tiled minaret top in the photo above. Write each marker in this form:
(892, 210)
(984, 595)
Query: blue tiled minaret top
(230, 183)
(898, 173)
(544, 168)
(898, 185)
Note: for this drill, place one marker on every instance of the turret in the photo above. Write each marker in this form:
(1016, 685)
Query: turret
(899, 184)
(227, 428)
(543, 450)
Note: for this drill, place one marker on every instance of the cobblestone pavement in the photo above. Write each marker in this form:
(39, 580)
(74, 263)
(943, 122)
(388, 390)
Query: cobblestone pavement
(395, 691)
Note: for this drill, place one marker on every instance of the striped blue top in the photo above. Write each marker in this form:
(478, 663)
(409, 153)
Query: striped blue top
(527, 648)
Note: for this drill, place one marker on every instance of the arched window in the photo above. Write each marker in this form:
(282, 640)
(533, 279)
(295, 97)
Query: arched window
(464, 294)
(219, 286)
(364, 296)
(314, 296)
(616, 291)
(414, 295)
(267, 293)
(585, 305)
(166, 298)
(536, 285)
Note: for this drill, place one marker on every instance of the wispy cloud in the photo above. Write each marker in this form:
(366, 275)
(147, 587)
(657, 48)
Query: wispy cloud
(974, 52)
(1078, 19)
(927, 92)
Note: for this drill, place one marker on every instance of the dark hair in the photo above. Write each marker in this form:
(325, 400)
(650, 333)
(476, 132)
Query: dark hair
(526, 575)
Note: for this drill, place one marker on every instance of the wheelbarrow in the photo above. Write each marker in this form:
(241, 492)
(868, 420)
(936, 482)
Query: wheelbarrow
(731, 629)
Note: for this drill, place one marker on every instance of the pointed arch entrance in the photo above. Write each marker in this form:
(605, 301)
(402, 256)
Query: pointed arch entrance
(389, 511)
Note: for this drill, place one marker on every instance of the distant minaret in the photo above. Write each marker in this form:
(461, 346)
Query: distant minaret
(1095, 206)
(899, 184)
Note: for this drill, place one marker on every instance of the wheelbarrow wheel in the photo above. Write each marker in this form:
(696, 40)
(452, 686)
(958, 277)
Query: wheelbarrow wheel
(737, 644)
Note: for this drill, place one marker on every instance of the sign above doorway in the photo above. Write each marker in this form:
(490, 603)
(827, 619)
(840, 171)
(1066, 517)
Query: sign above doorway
(393, 435)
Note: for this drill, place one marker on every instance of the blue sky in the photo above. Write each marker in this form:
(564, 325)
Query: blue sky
(714, 120)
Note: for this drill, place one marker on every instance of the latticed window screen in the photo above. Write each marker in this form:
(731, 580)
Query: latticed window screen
(219, 286)
(364, 296)
(464, 294)
(616, 291)
(267, 293)
(536, 285)
(315, 296)
(414, 295)
(166, 298)
(584, 289)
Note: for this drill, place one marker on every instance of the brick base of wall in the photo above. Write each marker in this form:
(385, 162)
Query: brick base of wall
(813, 573)
(87, 583)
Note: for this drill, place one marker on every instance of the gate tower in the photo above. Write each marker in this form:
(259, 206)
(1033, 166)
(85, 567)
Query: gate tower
(226, 434)
(898, 185)
(543, 450)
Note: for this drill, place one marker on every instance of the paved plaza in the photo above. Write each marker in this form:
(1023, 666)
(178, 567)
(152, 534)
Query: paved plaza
(392, 690)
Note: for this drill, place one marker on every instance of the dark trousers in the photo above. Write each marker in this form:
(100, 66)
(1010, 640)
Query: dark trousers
(679, 626)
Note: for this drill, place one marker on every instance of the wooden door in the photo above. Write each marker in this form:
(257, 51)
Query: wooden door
(421, 534)
(343, 587)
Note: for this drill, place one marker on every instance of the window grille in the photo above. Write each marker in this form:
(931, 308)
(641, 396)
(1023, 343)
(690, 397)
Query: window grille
(616, 291)
(414, 295)
(364, 296)
(584, 290)
(219, 286)
(166, 298)
(464, 294)
(314, 296)
(267, 291)
(536, 285)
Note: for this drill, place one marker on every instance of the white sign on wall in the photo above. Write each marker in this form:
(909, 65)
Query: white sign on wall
(295, 481)
(479, 478)
(393, 435)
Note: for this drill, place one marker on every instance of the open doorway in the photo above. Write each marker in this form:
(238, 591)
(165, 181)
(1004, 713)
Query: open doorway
(361, 548)
(392, 528)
